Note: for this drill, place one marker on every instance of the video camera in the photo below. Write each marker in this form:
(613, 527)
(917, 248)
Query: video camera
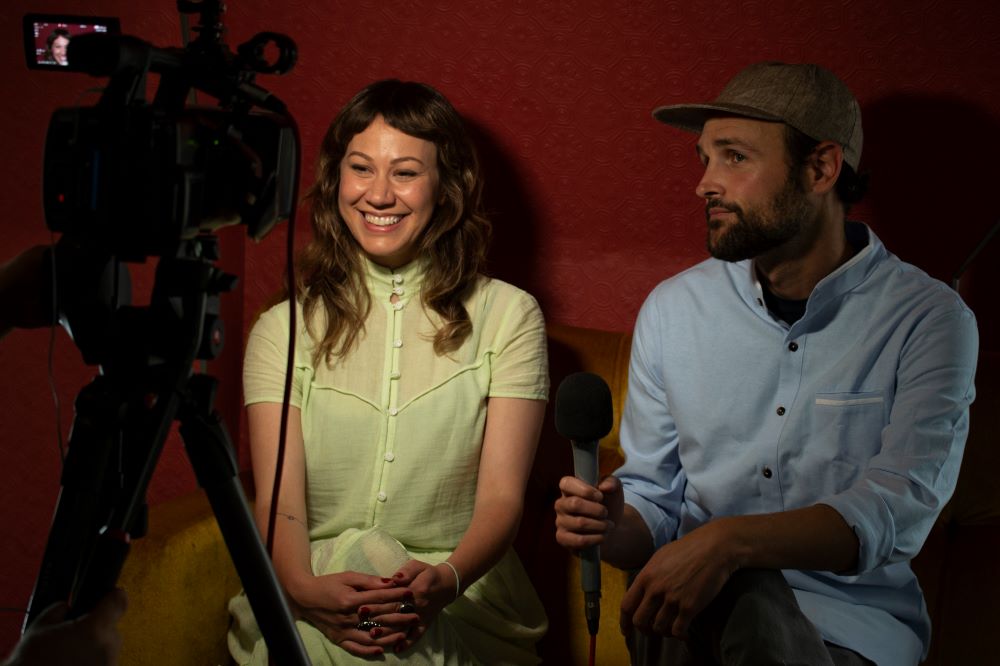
(137, 177)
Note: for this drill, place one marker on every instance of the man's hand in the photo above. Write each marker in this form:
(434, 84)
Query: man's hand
(678, 582)
(52, 640)
(585, 515)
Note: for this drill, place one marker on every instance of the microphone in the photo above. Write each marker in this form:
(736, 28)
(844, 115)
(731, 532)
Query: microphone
(584, 415)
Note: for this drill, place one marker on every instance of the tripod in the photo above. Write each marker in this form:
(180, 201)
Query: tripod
(122, 419)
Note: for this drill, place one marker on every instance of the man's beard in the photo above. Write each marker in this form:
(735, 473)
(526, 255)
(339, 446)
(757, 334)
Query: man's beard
(757, 231)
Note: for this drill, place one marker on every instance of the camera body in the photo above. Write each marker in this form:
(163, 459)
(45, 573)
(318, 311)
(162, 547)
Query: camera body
(137, 180)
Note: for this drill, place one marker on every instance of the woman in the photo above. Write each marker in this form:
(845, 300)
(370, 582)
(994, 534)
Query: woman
(55, 47)
(418, 397)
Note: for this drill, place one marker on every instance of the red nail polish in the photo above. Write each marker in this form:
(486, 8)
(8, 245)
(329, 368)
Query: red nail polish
(376, 632)
(386, 580)
(364, 610)
(398, 575)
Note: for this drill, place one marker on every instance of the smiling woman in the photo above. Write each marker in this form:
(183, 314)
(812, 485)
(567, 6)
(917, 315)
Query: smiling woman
(388, 189)
(418, 395)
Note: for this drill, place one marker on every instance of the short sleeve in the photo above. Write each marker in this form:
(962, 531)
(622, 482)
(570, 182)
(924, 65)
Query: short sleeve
(266, 359)
(520, 363)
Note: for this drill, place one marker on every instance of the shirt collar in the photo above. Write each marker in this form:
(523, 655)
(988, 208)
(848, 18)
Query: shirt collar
(852, 272)
(842, 280)
(382, 281)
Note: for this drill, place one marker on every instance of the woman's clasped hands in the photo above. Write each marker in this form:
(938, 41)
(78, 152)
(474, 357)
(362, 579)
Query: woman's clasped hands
(368, 615)
(359, 612)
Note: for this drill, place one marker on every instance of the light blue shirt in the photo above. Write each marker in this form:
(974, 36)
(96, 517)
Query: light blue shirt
(861, 405)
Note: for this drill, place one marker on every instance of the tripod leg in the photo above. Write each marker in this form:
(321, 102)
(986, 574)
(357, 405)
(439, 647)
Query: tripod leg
(209, 448)
(80, 509)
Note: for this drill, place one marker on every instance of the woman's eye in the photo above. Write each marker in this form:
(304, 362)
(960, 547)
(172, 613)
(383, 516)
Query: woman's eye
(359, 168)
(406, 174)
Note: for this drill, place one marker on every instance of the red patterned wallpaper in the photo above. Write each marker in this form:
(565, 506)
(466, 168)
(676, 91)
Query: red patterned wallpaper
(592, 200)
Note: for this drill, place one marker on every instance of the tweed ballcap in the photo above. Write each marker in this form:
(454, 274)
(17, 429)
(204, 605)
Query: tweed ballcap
(807, 97)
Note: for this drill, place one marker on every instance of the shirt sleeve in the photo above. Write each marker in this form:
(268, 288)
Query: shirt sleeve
(894, 503)
(520, 363)
(652, 477)
(266, 359)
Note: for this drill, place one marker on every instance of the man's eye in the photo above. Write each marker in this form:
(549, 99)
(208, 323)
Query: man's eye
(737, 157)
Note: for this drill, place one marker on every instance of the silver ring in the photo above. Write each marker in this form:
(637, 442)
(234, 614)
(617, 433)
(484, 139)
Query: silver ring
(405, 607)
(368, 625)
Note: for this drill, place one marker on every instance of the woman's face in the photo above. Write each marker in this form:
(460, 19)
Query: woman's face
(59, 45)
(388, 191)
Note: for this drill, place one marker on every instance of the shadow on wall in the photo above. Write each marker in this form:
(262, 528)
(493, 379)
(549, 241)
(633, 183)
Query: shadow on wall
(513, 252)
(933, 167)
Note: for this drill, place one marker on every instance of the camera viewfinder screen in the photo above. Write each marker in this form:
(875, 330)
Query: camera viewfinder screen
(47, 37)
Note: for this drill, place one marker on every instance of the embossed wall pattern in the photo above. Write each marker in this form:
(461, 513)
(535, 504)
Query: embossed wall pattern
(593, 201)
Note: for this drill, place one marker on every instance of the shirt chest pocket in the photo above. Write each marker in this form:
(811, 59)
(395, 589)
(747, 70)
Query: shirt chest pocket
(850, 424)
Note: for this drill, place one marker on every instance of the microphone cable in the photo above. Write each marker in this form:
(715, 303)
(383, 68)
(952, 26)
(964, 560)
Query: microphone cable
(290, 364)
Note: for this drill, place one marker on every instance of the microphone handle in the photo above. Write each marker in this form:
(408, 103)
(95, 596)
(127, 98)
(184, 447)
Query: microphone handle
(585, 469)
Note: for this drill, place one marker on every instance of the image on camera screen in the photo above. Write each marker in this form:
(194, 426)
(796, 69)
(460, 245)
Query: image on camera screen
(47, 37)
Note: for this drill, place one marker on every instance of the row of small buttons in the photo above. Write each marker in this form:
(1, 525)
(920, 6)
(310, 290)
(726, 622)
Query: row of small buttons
(394, 374)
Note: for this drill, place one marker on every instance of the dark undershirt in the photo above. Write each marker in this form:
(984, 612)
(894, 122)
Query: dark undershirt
(782, 308)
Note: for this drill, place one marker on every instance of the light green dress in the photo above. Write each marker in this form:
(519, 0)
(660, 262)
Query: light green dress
(392, 436)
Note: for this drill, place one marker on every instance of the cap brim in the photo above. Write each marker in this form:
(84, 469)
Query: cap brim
(692, 117)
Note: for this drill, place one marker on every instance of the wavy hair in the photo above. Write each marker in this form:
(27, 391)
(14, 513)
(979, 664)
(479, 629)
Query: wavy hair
(331, 269)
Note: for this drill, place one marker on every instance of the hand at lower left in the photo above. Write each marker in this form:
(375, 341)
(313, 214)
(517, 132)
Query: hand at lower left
(52, 640)
(677, 583)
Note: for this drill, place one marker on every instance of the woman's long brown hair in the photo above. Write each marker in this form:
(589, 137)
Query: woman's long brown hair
(331, 274)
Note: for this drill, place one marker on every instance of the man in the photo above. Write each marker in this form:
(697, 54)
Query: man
(797, 406)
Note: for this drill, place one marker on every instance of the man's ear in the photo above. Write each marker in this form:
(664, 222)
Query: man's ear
(823, 166)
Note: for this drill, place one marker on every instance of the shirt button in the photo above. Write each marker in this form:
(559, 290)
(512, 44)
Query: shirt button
(393, 412)
(793, 346)
(767, 472)
(780, 411)
(394, 375)
(397, 279)
(399, 306)
(381, 497)
(398, 291)
(390, 456)
(397, 343)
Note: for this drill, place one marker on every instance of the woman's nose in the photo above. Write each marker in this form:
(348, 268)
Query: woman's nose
(380, 193)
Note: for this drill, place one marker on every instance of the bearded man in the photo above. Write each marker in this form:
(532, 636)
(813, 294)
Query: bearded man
(797, 406)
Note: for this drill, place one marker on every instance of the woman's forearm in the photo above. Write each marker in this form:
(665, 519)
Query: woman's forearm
(509, 442)
(491, 532)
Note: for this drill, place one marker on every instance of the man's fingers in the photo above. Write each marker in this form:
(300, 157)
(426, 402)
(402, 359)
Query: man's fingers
(111, 607)
(570, 486)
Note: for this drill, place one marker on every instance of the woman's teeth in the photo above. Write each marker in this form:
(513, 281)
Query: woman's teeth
(382, 220)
